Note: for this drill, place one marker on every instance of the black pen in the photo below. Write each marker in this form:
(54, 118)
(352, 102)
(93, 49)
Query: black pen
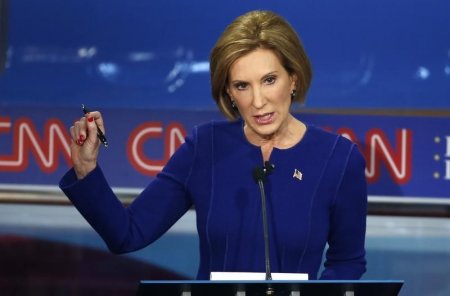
(100, 134)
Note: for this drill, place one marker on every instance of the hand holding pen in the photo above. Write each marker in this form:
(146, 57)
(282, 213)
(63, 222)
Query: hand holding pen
(86, 133)
(100, 134)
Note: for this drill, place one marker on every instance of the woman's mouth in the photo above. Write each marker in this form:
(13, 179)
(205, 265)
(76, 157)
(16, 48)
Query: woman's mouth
(265, 118)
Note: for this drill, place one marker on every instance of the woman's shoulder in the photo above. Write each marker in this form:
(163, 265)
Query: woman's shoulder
(214, 127)
(337, 144)
(320, 134)
(207, 137)
(340, 153)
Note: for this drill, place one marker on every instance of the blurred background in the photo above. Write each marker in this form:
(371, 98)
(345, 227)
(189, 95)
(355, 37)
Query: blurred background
(381, 78)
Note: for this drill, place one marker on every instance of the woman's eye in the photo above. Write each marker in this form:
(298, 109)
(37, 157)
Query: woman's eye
(271, 79)
(240, 85)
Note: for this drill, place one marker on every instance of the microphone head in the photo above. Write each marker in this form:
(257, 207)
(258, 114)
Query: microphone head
(268, 167)
(258, 174)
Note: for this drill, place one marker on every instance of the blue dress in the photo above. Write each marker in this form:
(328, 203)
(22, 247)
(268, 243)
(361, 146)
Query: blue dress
(316, 195)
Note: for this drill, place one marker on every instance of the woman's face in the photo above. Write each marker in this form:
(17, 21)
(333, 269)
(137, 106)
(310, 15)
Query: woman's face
(261, 88)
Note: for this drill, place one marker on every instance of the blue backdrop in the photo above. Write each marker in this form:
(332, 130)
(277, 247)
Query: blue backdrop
(154, 54)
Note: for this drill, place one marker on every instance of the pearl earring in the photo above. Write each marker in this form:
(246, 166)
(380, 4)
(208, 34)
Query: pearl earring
(293, 94)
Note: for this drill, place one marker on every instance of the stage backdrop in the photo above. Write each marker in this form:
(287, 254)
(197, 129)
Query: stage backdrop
(407, 156)
(381, 78)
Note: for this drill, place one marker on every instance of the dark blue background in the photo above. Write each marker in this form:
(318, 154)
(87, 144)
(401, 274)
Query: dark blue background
(116, 53)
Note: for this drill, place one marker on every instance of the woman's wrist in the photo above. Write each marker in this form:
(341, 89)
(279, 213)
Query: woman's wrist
(82, 170)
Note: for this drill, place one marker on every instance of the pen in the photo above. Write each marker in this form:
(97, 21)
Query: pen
(100, 134)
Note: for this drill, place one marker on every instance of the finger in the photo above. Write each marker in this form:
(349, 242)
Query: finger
(75, 131)
(72, 134)
(98, 118)
(91, 128)
(81, 130)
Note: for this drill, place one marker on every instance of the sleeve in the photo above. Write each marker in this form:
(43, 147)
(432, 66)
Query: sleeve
(345, 256)
(152, 213)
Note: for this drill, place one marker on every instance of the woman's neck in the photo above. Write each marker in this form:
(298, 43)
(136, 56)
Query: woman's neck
(287, 136)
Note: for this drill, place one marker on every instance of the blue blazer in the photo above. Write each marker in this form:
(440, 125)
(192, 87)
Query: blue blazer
(316, 195)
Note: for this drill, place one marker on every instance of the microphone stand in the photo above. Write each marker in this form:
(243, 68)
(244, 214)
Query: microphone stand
(259, 176)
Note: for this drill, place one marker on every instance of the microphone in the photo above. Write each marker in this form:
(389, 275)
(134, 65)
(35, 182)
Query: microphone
(268, 168)
(259, 174)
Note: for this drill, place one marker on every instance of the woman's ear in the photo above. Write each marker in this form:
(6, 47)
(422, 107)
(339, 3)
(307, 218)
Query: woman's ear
(228, 92)
(230, 97)
(293, 81)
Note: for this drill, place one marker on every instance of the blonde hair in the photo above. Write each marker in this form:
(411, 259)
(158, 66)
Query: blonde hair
(248, 32)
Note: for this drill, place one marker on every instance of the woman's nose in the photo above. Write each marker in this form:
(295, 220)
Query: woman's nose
(258, 99)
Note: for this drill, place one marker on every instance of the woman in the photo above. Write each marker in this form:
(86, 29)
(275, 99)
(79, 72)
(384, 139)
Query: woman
(316, 193)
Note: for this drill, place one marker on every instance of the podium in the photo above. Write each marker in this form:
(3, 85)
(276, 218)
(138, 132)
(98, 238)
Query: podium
(279, 288)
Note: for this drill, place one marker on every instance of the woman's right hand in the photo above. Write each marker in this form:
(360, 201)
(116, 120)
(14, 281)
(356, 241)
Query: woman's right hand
(85, 144)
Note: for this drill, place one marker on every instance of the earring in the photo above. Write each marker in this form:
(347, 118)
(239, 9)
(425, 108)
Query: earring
(233, 104)
(293, 94)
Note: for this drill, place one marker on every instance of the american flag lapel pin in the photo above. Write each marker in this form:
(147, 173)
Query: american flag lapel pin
(297, 175)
